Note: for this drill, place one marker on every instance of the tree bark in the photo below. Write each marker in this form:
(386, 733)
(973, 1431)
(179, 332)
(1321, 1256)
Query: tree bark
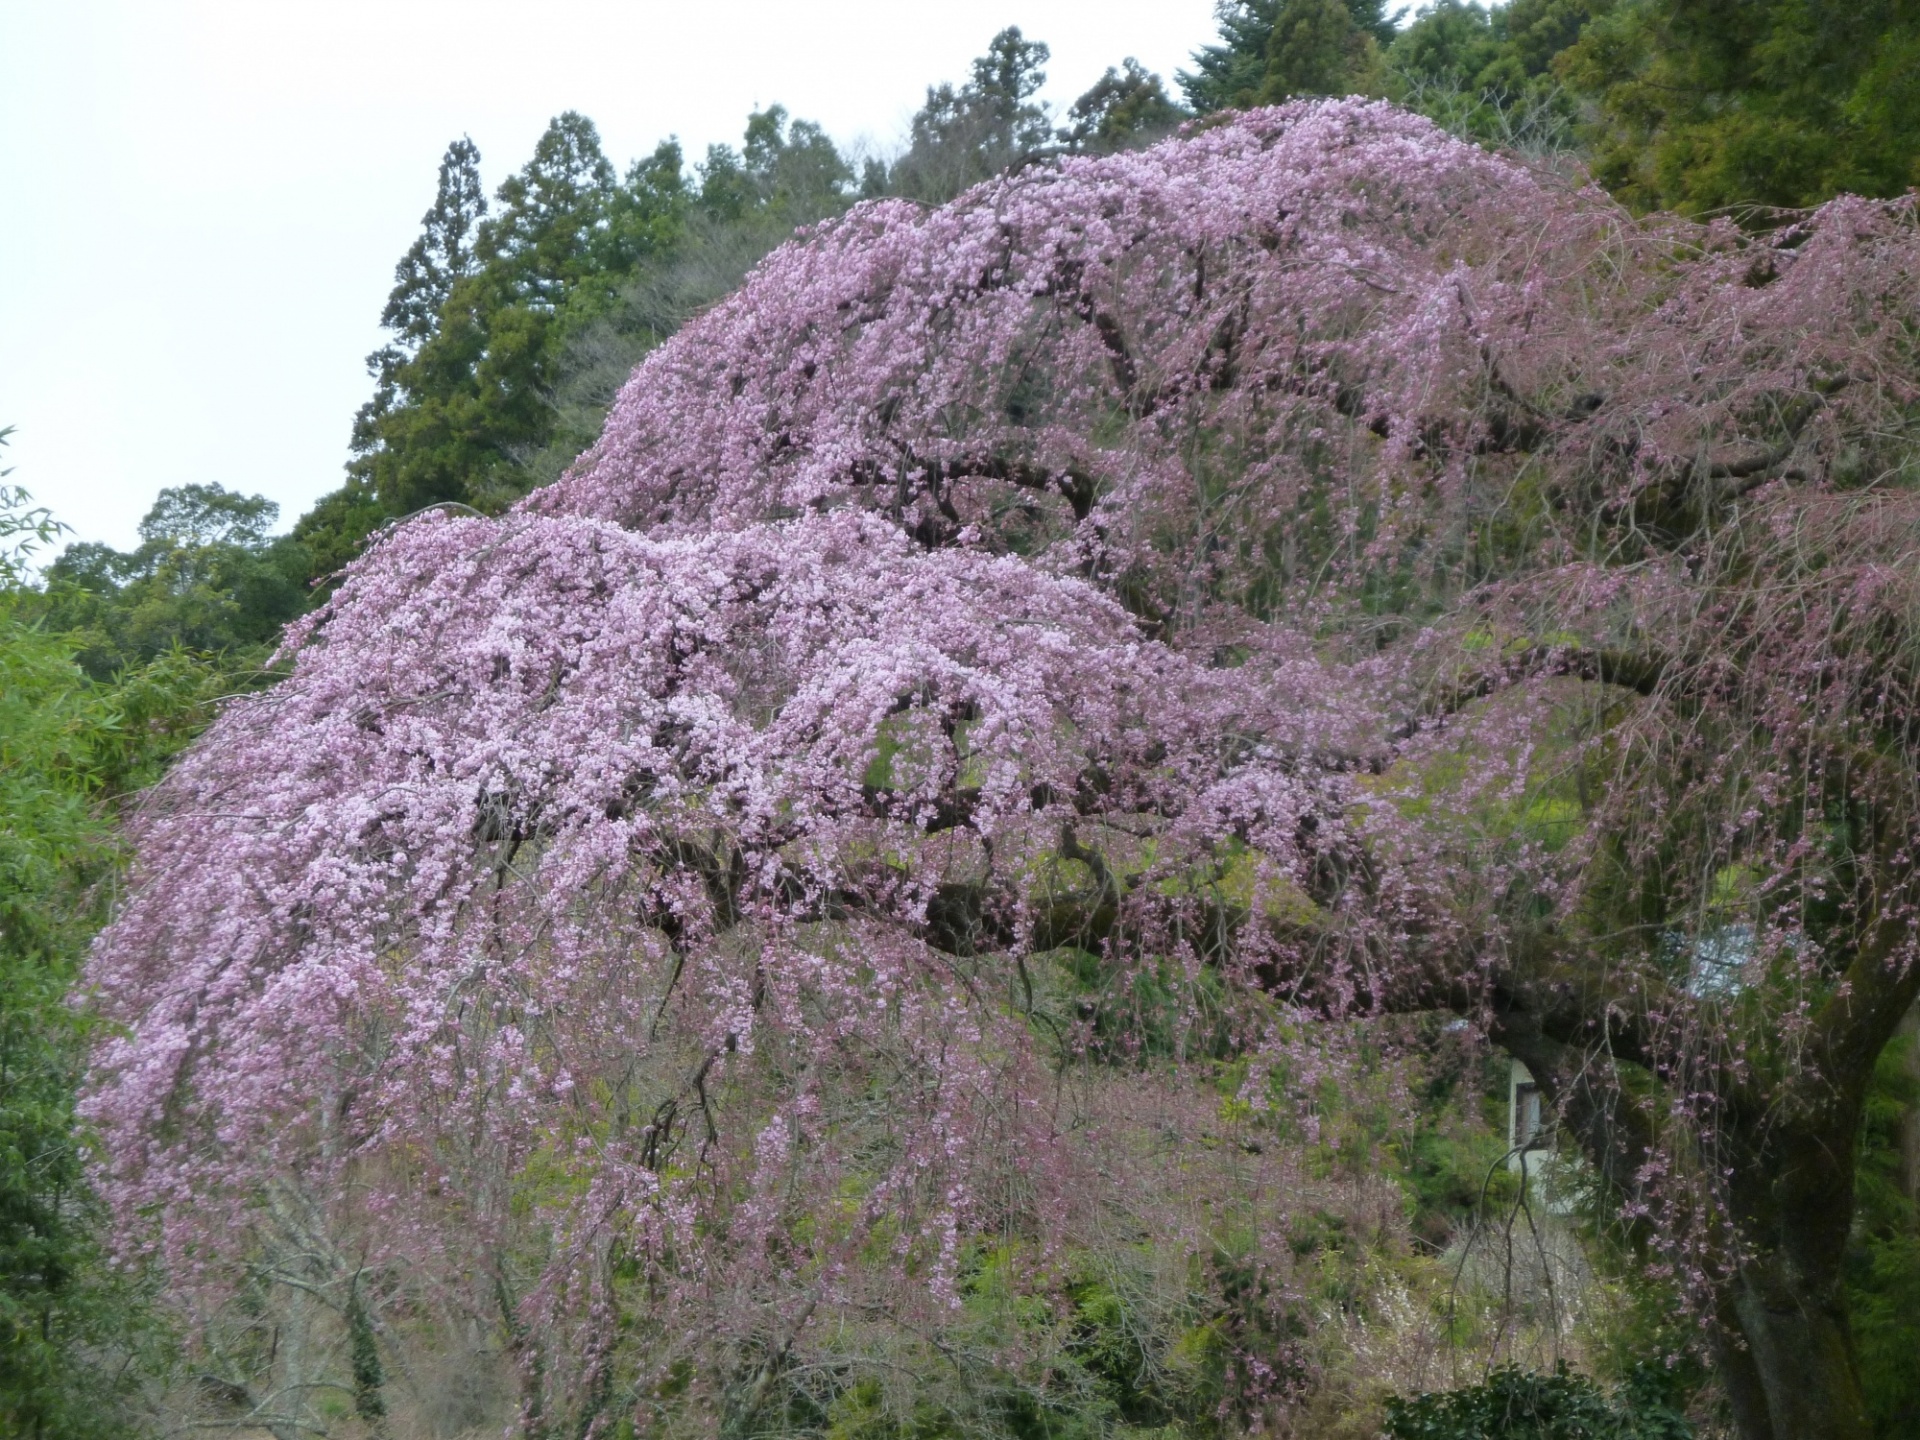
(1783, 1349)
(1792, 1207)
(1801, 1353)
(1740, 1378)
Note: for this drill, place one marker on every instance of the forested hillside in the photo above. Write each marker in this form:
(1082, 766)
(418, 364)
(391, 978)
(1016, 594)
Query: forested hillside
(941, 794)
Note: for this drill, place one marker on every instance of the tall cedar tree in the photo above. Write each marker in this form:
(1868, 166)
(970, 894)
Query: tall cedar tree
(1489, 74)
(512, 329)
(480, 310)
(674, 243)
(1271, 50)
(424, 279)
(1124, 107)
(447, 416)
(961, 137)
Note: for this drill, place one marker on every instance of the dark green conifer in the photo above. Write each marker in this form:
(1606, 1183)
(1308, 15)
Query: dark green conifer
(1272, 50)
(1124, 106)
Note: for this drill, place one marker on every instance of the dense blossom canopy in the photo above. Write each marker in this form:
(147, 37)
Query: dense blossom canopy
(1308, 562)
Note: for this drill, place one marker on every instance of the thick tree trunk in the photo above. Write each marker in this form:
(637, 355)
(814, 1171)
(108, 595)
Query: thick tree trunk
(1792, 1197)
(1788, 1367)
(1740, 1378)
(1783, 1349)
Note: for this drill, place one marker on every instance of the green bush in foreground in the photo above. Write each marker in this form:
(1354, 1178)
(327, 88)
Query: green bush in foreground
(1516, 1404)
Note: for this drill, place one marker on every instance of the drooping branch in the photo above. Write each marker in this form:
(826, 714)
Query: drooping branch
(1640, 671)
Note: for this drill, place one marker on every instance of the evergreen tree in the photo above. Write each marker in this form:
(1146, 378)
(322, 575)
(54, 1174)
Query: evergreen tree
(795, 168)
(511, 329)
(1453, 40)
(337, 526)
(787, 173)
(453, 413)
(444, 252)
(1124, 106)
(961, 137)
(423, 282)
(1231, 73)
(1536, 31)
(1005, 80)
(1488, 74)
(1317, 49)
(543, 240)
(1706, 104)
(1271, 50)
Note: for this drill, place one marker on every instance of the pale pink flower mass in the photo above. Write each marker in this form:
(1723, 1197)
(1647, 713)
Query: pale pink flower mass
(1113, 559)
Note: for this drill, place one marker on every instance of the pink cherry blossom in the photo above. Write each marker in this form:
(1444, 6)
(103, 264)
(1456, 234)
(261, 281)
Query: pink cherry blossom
(1312, 553)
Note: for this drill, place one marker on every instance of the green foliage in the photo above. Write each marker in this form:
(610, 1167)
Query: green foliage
(787, 174)
(205, 577)
(512, 328)
(1448, 1158)
(961, 137)
(481, 305)
(1706, 104)
(1317, 49)
(1488, 74)
(1271, 50)
(1111, 1351)
(368, 1373)
(61, 1316)
(1694, 105)
(443, 254)
(1124, 107)
(1451, 38)
(69, 1329)
(23, 531)
(1883, 1258)
(337, 528)
(1516, 1404)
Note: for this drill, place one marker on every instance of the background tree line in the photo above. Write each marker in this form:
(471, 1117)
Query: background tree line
(514, 318)
(1691, 105)
(74, 1337)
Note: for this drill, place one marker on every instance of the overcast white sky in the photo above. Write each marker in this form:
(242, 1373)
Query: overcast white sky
(201, 201)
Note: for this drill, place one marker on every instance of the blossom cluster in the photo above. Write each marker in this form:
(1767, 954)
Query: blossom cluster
(1182, 558)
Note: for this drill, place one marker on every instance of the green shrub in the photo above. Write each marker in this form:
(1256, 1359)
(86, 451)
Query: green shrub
(1516, 1404)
